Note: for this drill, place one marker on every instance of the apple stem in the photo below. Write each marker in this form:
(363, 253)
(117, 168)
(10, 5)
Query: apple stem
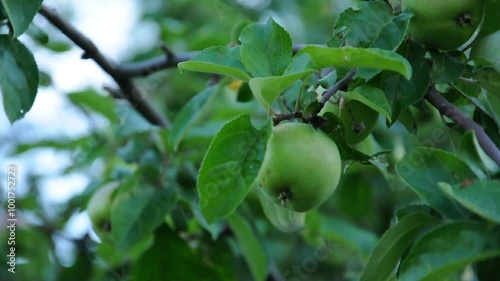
(278, 118)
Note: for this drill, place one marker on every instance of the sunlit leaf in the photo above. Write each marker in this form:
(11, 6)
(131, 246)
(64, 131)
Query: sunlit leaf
(218, 60)
(266, 49)
(350, 57)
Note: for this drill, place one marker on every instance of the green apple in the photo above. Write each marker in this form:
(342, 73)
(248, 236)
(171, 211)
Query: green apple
(488, 49)
(99, 210)
(444, 24)
(359, 120)
(301, 167)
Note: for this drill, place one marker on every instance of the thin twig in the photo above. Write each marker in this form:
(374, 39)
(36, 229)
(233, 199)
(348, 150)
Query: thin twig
(342, 83)
(449, 110)
(115, 93)
(278, 118)
(127, 87)
(147, 67)
(171, 60)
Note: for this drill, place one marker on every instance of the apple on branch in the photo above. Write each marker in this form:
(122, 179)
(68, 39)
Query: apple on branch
(301, 167)
(445, 24)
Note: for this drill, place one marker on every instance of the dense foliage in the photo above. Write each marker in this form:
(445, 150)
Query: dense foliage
(411, 103)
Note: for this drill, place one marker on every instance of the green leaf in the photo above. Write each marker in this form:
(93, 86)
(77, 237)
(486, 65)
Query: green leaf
(349, 235)
(356, 187)
(372, 97)
(407, 119)
(410, 209)
(53, 144)
(131, 122)
(472, 153)
(219, 60)
(161, 261)
(335, 129)
(285, 220)
(329, 235)
(137, 211)
(329, 80)
(112, 257)
(21, 13)
(230, 167)
(189, 114)
(38, 35)
(401, 92)
(489, 79)
(266, 49)
(58, 46)
(423, 168)
(300, 63)
(373, 25)
(37, 247)
(350, 57)
(487, 102)
(252, 249)
(19, 79)
(393, 244)
(215, 229)
(481, 197)
(103, 105)
(445, 69)
(267, 89)
(447, 249)
(491, 23)
(491, 102)
(244, 93)
(94, 146)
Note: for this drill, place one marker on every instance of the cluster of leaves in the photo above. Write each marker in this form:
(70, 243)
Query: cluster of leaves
(449, 184)
(426, 210)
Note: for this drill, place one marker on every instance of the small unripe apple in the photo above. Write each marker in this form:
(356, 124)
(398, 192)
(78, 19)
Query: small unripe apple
(99, 210)
(444, 24)
(359, 121)
(301, 167)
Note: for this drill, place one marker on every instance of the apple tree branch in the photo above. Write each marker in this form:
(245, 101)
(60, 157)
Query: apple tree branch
(129, 90)
(449, 110)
